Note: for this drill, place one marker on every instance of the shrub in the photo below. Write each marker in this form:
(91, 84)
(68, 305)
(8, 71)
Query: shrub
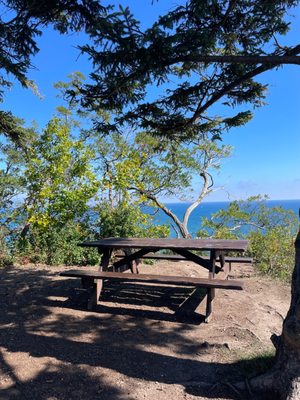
(270, 230)
(126, 220)
(58, 245)
(5, 256)
(273, 252)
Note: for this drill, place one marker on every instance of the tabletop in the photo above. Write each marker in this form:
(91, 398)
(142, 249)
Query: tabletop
(163, 243)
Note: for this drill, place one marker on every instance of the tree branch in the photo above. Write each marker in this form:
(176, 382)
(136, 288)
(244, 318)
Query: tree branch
(162, 206)
(204, 192)
(272, 60)
(248, 75)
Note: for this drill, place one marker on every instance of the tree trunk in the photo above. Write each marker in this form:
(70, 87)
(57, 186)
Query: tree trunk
(182, 226)
(284, 377)
(288, 350)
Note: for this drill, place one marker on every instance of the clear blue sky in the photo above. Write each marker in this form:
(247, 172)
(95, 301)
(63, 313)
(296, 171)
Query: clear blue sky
(266, 157)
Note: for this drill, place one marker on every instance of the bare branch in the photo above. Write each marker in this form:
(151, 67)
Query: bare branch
(162, 206)
(204, 192)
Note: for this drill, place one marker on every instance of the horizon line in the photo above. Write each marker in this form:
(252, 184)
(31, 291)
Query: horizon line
(223, 201)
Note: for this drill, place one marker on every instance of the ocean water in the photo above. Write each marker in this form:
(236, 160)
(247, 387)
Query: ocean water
(206, 209)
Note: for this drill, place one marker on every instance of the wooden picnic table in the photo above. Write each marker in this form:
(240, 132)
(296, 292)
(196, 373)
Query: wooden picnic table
(216, 247)
(136, 248)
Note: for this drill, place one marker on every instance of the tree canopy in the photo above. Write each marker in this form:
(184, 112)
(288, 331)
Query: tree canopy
(21, 23)
(198, 54)
(179, 54)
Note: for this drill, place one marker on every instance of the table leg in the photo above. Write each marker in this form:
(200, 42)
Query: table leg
(133, 265)
(94, 287)
(95, 294)
(211, 292)
(210, 296)
(225, 268)
(222, 259)
(106, 254)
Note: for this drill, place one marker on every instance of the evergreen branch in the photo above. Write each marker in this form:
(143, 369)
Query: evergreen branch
(237, 82)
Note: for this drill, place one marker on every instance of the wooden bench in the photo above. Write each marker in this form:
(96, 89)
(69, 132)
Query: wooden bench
(94, 280)
(177, 257)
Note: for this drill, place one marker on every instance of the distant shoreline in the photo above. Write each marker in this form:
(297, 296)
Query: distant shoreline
(230, 201)
(206, 209)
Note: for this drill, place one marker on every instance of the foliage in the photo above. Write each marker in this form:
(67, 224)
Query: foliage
(11, 192)
(127, 220)
(270, 230)
(273, 251)
(140, 167)
(172, 55)
(21, 23)
(13, 128)
(59, 178)
(145, 168)
(58, 245)
(168, 168)
(247, 215)
(59, 183)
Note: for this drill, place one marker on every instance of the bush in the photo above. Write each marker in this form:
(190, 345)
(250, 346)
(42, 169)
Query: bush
(273, 252)
(126, 220)
(5, 256)
(58, 245)
(55, 245)
(271, 233)
(6, 245)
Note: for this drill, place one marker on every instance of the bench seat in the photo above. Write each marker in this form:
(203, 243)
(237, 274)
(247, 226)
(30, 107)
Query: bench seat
(94, 280)
(177, 257)
(163, 279)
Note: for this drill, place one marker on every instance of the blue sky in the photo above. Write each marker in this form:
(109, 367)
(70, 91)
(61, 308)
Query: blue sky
(266, 151)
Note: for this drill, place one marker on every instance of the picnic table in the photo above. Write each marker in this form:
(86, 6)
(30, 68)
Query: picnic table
(214, 261)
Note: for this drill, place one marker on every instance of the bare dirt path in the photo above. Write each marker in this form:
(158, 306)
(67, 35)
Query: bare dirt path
(131, 347)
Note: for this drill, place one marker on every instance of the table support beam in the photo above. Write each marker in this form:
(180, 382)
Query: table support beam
(131, 257)
(189, 256)
(105, 258)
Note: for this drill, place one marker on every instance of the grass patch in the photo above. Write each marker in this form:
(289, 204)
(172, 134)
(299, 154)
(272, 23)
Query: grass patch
(255, 364)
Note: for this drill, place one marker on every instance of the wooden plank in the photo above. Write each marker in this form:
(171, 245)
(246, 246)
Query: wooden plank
(175, 257)
(87, 282)
(189, 256)
(221, 258)
(163, 279)
(171, 244)
(129, 258)
(127, 262)
(133, 265)
(246, 260)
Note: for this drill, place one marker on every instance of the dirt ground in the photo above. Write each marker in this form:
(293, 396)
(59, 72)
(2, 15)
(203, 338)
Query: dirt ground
(131, 346)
